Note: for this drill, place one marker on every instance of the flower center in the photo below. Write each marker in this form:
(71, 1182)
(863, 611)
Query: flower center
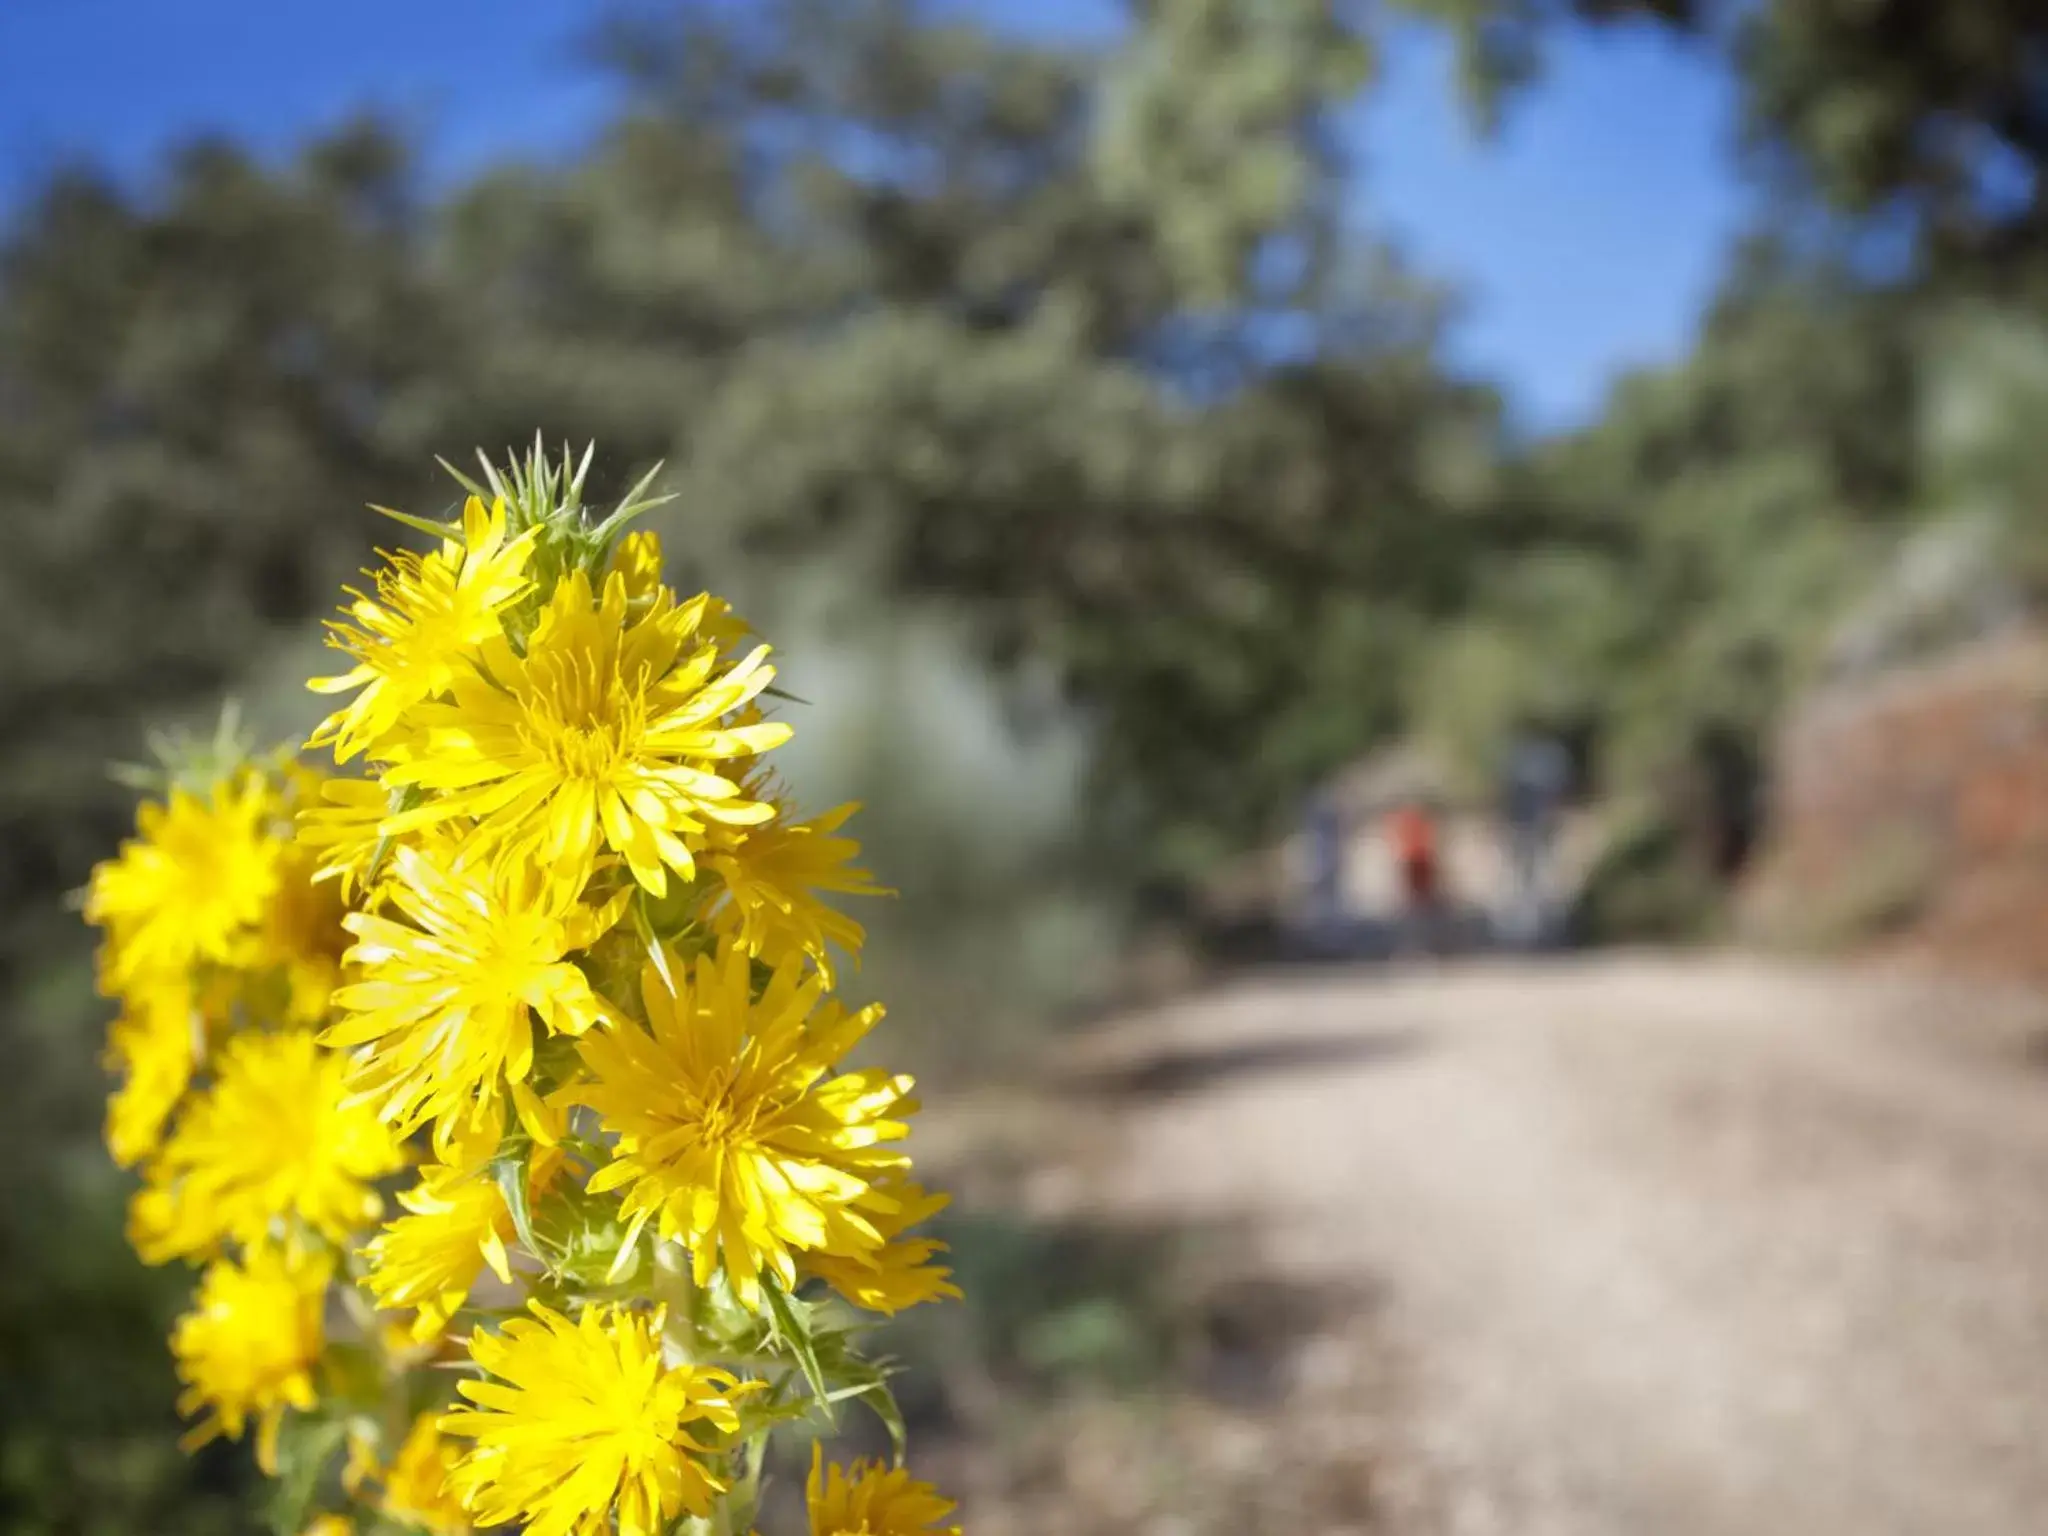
(726, 1117)
(583, 720)
(516, 945)
(220, 868)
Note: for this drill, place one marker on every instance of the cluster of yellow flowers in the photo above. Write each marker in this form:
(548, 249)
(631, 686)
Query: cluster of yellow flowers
(553, 975)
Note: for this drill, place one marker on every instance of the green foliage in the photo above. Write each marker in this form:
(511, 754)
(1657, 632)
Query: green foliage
(1933, 108)
(1051, 1308)
(201, 390)
(1646, 884)
(1692, 556)
(1210, 133)
(88, 1433)
(1986, 456)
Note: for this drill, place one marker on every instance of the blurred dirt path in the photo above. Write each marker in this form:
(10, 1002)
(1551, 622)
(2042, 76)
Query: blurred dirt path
(1660, 1245)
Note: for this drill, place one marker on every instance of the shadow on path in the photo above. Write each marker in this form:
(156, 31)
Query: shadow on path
(1194, 1068)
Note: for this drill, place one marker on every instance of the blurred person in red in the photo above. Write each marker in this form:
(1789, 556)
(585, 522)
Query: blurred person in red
(1412, 833)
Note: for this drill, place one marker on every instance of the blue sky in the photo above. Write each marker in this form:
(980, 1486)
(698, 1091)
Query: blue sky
(1585, 235)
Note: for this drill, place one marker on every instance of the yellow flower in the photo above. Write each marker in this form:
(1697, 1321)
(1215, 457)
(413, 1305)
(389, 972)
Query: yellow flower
(604, 733)
(870, 1499)
(248, 1347)
(722, 626)
(430, 1258)
(416, 1488)
(445, 1009)
(359, 1465)
(586, 1418)
(459, 1222)
(274, 1140)
(900, 1273)
(412, 639)
(772, 876)
(343, 832)
(637, 561)
(191, 885)
(329, 1525)
(727, 1126)
(155, 1042)
(302, 936)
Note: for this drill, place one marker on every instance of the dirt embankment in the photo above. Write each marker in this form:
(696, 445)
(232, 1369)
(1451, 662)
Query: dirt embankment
(1911, 812)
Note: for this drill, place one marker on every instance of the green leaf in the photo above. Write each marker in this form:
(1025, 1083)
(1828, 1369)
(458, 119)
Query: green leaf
(631, 505)
(643, 925)
(491, 479)
(420, 524)
(607, 530)
(582, 469)
(139, 777)
(793, 1328)
(759, 1415)
(883, 1403)
(509, 1169)
(303, 1451)
(867, 1380)
(462, 480)
(404, 798)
